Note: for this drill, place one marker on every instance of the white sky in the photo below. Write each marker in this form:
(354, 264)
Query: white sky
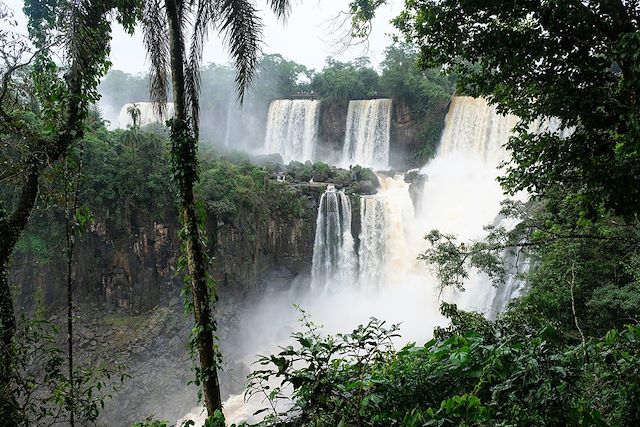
(307, 37)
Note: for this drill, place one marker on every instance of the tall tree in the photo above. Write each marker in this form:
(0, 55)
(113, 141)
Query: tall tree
(37, 129)
(165, 24)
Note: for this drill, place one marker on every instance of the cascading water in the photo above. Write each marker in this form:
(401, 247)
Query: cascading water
(384, 278)
(461, 194)
(334, 260)
(148, 114)
(291, 129)
(383, 254)
(366, 140)
(227, 128)
(372, 242)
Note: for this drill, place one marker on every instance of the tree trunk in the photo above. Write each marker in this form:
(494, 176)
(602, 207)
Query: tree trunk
(11, 228)
(184, 149)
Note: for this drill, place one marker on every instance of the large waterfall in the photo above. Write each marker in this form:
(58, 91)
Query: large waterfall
(384, 257)
(148, 114)
(334, 261)
(291, 129)
(366, 140)
(461, 194)
(379, 274)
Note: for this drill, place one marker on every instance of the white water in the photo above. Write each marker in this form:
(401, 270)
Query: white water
(334, 260)
(291, 129)
(384, 256)
(366, 140)
(148, 114)
(460, 196)
(227, 128)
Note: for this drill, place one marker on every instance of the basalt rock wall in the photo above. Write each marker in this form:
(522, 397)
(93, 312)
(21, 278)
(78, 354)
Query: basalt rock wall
(136, 267)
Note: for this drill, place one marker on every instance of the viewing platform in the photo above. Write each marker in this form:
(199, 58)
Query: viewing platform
(305, 95)
(311, 95)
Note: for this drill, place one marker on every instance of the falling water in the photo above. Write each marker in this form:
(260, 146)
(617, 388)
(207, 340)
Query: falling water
(461, 194)
(366, 140)
(227, 128)
(383, 255)
(148, 114)
(334, 260)
(291, 128)
(372, 242)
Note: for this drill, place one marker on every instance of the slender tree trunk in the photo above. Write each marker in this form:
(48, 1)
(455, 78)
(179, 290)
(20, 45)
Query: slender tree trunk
(71, 208)
(8, 324)
(184, 149)
(11, 228)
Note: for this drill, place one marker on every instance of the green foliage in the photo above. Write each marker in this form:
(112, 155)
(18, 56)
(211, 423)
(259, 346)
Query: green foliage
(39, 381)
(313, 366)
(512, 373)
(215, 420)
(339, 82)
(364, 180)
(151, 423)
(320, 172)
(342, 178)
(234, 191)
(278, 78)
(591, 267)
(35, 244)
(589, 85)
(301, 172)
(424, 93)
(126, 171)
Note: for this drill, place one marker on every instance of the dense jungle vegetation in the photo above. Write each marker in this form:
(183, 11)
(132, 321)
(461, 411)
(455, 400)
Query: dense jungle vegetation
(565, 353)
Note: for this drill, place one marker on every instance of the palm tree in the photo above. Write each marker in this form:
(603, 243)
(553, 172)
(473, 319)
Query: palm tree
(134, 112)
(165, 23)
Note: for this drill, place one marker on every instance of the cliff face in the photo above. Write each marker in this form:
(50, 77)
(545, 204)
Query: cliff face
(413, 136)
(136, 269)
(130, 270)
(254, 253)
(128, 301)
(332, 127)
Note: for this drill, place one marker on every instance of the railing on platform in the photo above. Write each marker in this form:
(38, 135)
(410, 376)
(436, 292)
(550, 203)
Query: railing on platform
(316, 95)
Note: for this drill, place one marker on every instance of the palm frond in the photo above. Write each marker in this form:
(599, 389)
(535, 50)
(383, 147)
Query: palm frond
(281, 8)
(87, 34)
(156, 41)
(204, 17)
(242, 29)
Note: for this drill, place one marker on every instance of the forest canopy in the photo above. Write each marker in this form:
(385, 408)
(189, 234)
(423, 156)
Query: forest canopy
(230, 228)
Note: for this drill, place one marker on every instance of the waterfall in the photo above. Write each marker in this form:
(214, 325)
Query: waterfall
(227, 128)
(383, 278)
(372, 243)
(291, 129)
(148, 114)
(366, 140)
(461, 194)
(334, 260)
(383, 255)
